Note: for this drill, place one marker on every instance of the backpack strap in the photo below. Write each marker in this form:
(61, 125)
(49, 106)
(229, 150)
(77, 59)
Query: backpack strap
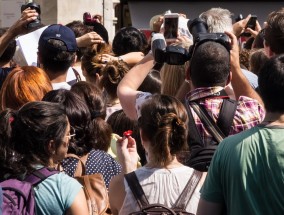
(194, 137)
(226, 115)
(40, 175)
(136, 189)
(207, 120)
(188, 191)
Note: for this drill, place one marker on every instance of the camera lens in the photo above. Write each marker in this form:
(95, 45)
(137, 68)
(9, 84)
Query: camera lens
(196, 27)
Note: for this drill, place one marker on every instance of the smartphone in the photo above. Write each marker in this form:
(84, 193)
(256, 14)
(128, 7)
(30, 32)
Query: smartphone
(250, 24)
(171, 25)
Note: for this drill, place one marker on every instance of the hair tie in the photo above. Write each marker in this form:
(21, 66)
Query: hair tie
(96, 114)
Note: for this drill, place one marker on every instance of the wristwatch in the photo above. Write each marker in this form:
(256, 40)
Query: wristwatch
(119, 58)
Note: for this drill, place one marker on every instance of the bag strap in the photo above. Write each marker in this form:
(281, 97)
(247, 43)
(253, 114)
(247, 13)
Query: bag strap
(136, 189)
(40, 175)
(194, 136)
(81, 166)
(209, 123)
(226, 115)
(188, 191)
(77, 75)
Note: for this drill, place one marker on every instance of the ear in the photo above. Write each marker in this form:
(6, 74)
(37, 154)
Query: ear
(51, 147)
(39, 58)
(75, 60)
(268, 51)
(229, 79)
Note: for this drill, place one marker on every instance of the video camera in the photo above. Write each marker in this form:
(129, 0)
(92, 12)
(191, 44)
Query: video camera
(176, 55)
(34, 6)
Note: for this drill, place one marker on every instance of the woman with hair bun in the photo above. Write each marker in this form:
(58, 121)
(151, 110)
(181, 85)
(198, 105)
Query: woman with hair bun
(112, 74)
(162, 122)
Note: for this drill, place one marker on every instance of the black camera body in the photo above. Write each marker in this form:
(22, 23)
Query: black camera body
(176, 55)
(88, 19)
(34, 6)
(173, 55)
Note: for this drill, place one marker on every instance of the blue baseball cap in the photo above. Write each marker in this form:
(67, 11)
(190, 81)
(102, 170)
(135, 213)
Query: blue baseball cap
(58, 32)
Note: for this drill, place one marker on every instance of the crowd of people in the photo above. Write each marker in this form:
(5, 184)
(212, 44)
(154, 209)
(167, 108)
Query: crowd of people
(87, 91)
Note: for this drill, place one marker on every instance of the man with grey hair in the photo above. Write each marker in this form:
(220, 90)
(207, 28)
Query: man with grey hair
(219, 20)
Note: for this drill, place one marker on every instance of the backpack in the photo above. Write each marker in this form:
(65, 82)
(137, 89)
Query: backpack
(94, 188)
(155, 209)
(18, 196)
(201, 153)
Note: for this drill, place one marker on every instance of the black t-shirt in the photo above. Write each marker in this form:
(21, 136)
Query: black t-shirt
(3, 74)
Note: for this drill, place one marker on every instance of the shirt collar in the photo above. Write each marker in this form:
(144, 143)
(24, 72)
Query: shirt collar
(202, 92)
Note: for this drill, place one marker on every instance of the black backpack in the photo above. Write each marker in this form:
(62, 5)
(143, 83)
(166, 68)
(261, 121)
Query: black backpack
(200, 153)
(160, 209)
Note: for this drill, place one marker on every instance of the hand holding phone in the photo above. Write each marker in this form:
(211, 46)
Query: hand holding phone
(171, 25)
(250, 24)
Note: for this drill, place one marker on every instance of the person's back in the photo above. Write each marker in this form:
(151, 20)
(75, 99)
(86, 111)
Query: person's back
(209, 75)
(246, 173)
(162, 124)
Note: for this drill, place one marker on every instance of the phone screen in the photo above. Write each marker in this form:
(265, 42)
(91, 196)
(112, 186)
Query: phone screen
(171, 27)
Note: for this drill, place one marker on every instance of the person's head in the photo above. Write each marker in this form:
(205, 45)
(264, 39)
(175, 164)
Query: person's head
(129, 39)
(9, 52)
(91, 64)
(209, 65)
(92, 96)
(80, 119)
(257, 59)
(172, 77)
(152, 83)
(57, 48)
(218, 20)
(22, 85)
(163, 127)
(101, 30)
(244, 58)
(41, 134)
(112, 74)
(8, 158)
(274, 33)
(79, 29)
(259, 40)
(120, 123)
(271, 84)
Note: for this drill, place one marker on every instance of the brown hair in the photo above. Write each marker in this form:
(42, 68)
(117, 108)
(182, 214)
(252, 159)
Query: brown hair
(164, 122)
(274, 31)
(113, 73)
(91, 61)
(22, 85)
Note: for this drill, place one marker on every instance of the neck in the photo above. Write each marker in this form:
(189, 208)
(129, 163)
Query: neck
(57, 77)
(274, 118)
(172, 164)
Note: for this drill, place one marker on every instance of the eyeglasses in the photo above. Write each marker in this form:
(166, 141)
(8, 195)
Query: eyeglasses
(72, 134)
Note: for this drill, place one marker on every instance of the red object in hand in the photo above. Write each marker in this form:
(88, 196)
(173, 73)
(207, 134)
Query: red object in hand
(127, 133)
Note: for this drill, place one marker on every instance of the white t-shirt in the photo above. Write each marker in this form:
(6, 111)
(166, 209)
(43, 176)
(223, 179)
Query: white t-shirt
(61, 85)
(162, 186)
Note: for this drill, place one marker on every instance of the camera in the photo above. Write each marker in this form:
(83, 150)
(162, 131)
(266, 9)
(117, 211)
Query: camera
(176, 55)
(34, 6)
(88, 19)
